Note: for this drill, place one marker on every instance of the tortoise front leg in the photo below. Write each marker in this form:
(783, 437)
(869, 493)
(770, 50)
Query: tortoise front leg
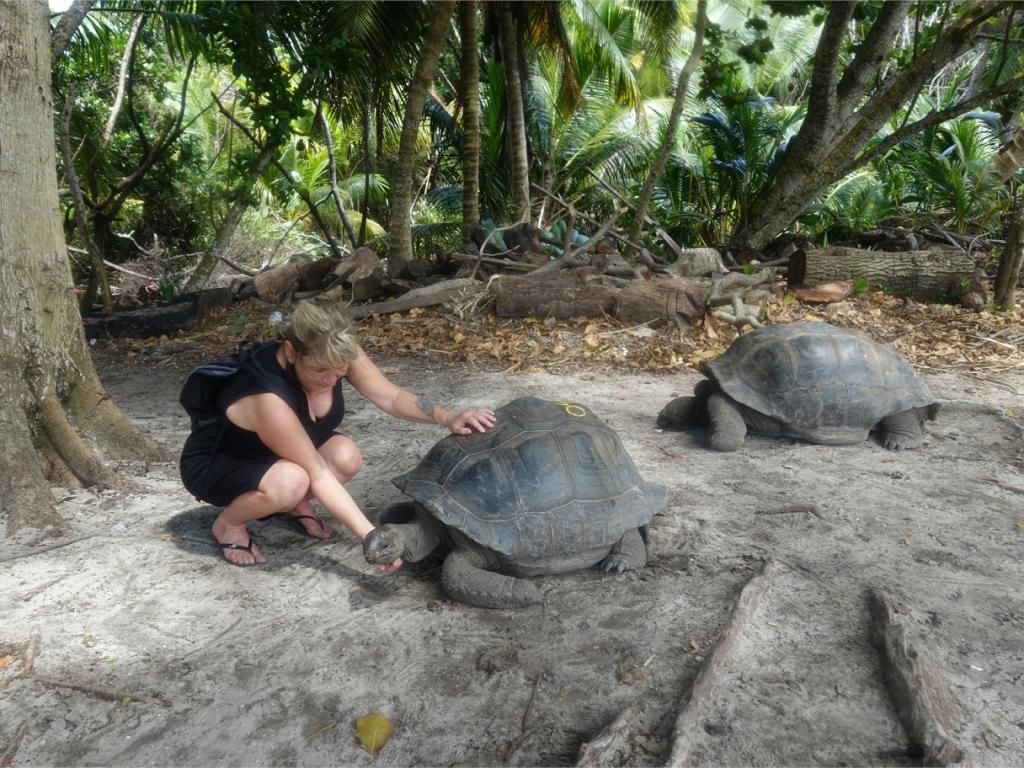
(687, 412)
(727, 425)
(628, 554)
(902, 431)
(464, 578)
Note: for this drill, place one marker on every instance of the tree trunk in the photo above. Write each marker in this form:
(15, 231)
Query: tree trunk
(226, 230)
(922, 274)
(69, 22)
(1010, 261)
(515, 119)
(682, 84)
(52, 404)
(470, 87)
(841, 119)
(400, 227)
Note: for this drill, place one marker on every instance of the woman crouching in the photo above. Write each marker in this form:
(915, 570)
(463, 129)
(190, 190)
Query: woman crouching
(272, 454)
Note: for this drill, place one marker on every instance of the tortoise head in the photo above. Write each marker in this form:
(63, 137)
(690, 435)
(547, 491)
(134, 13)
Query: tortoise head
(384, 544)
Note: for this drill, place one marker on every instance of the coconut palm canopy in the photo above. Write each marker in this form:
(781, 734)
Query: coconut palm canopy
(273, 128)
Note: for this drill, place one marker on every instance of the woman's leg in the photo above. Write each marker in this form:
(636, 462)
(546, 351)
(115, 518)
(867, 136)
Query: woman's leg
(345, 460)
(283, 486)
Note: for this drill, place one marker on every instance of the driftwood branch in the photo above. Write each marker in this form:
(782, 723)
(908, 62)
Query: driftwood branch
(922, 697)
(741, 314)
(572, 212)
(7, 759)
(613, 746)
(430, 295)
(491, 261)
(102, 691)
(525, 730)
(672, 244)
(567, 257)
(709, 677)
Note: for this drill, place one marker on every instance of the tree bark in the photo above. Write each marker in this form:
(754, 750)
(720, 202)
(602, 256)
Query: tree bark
(52, 405)
(922, 274)
(682, 84)
(661, 300)
(570, 293)
(69, 22)
(515, 118)
(400, 226)
(1010, 261)
(470, 94)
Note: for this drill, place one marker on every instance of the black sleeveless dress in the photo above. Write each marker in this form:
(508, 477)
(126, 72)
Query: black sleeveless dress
(221, 461)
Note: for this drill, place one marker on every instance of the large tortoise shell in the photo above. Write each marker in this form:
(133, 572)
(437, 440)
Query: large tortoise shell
(818, 379)
(548, 480)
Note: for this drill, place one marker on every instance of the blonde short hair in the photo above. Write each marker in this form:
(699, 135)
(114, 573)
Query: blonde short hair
(321, 330)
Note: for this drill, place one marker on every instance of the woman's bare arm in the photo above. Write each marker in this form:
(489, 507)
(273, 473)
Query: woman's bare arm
(401, 403)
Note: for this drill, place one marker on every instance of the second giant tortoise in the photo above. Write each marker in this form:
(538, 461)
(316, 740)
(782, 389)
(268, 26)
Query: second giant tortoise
(548, 489)
(812, 381)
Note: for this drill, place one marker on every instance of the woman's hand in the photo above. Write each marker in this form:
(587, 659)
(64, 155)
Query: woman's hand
(390, 567)
(464, 423)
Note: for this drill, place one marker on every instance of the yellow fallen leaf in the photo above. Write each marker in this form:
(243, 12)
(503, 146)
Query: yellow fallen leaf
(171, 537)
(373, 731)
(5, 661)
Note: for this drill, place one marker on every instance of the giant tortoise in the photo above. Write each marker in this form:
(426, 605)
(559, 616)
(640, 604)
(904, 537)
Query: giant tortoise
(549, 489)
(811, 381)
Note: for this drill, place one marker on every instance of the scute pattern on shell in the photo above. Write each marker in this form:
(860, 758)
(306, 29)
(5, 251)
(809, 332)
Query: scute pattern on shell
(548, 481)
(818, 379)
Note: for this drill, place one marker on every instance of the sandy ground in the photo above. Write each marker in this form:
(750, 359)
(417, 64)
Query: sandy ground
(273, 665)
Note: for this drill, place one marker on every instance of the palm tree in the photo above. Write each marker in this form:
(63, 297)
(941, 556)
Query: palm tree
(515, 118)
(469, 67)
(682, 84)
(399, 230)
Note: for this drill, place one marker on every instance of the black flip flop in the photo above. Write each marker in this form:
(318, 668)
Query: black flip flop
(244, 548)
(295, 522)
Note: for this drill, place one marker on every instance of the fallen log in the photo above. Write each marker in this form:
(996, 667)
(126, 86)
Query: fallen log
(923, 700)
(362, 271)
(274, 283)
(427, 296)
(709, 677)
(157, 319)
(660, 301)
(932, 274)
(570, 293)
(490, 261)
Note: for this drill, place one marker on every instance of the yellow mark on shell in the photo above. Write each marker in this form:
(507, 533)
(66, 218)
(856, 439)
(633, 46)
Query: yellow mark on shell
(572, 409)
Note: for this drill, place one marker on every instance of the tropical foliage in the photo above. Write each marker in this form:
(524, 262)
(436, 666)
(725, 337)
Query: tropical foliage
(182, 98)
